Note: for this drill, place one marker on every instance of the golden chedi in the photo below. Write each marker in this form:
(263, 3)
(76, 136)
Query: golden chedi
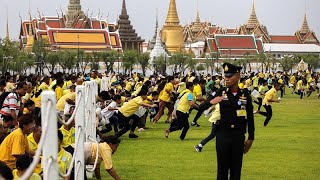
(172, 32)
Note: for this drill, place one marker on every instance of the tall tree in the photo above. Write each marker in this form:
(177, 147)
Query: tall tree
(53, 59)
(129, 59)
(109, 58)
(160, 64)
(143, 61)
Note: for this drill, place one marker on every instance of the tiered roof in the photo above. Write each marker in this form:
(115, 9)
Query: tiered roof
(126, 30)
(233, 46)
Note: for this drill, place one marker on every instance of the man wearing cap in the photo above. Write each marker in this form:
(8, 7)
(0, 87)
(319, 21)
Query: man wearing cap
(236, 112)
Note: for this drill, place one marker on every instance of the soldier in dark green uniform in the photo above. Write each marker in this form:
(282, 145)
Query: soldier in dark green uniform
(236, 112)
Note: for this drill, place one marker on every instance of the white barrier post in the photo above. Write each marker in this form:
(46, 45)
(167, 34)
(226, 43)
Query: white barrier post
(50, 149)
(79, 123)
(93, 122)
(88, 99)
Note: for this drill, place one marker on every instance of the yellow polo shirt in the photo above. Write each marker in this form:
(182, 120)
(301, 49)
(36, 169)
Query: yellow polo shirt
(59, 92)
(184, 105)
(128, 86)
(165, 96)
(34, 176)
(64, 160)
(44, 86)
(131, 106)
(15, 143)
(68, 136)
(271, 95)
(37, 101)
(33, 146)
(197, 91)
(292, 80)
(215, 114)
(105, 153)
(52, 84)
(62, 100)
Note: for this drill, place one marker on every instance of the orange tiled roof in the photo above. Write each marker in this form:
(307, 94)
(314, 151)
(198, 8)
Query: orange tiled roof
(235, 42)
(284, 39)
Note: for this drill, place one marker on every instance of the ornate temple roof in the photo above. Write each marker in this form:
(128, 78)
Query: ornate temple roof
(235, 45)
(253, 20)
(90, 34)
(305, 27)
(126, 31)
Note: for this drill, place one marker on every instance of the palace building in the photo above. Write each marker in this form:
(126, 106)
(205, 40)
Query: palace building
(74, 30)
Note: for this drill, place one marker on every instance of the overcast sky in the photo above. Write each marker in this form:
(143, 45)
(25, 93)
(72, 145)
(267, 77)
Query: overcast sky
(282, 17)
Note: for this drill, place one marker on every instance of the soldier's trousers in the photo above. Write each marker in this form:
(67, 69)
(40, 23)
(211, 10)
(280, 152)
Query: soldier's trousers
(229, 148)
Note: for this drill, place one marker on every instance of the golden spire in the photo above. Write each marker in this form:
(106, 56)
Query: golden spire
(253, 20)
(198, 14)
(172, 18)
(7, 39)
(30, 39)
(305, 26)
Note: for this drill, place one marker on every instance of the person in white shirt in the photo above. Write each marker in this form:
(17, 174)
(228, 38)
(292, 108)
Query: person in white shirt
(109, 117)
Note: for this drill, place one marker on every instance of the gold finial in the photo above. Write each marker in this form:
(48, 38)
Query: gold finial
(7, 39)
(305, 26)
(253, 20)
(172, 18)
(198, 14)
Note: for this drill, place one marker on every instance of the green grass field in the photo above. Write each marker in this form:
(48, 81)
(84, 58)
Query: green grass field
(288, 148)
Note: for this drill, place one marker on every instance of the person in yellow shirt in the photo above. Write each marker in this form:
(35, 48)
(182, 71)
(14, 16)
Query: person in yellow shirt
(185, 103)
(45, 84)
(292, 82)
(107, 147)
(165, 100)
(58, 88)
(262, 90)
(64, 157)
(23, 162)
(127, 111)
(68, 98)
(16, 143)
(68, 132)
(29, 107)
(241, 84)
(270, 97)
(33, 141)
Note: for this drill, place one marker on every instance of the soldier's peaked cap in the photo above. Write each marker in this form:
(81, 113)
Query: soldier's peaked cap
(230, 69)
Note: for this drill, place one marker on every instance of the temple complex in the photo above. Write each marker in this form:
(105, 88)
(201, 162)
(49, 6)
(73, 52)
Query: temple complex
(197, 30)
(253, 26)
(129, 38)
(172, 31)
(75, 30)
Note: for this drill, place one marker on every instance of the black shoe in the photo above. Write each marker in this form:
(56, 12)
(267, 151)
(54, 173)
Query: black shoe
(198, 148)
(195, 124)
(133, 136)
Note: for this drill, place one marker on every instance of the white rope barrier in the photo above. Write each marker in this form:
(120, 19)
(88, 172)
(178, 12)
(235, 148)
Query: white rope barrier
(50, 161)
(36, 157)
(97, 154)
(78, 167)
(79, 96)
